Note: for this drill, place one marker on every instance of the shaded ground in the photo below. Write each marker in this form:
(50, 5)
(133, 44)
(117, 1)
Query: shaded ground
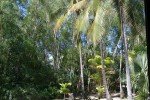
(115, 96)
(95, 97)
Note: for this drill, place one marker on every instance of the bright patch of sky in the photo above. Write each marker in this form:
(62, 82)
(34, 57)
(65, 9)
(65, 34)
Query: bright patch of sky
(83, 39)
(111, 39)
(23, 7)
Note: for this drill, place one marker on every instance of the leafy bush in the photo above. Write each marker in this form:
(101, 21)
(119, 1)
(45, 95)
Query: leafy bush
(100, 90)
(64, 88)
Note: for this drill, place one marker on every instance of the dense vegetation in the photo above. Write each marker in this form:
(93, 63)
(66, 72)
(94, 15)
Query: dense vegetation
(51, 48)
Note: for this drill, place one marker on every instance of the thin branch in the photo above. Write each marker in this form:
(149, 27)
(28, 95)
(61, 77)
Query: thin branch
(115, 50)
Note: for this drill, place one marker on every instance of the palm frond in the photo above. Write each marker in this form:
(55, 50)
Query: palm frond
(77, 6)
(143, 83)
(59, 22)
(73, 8)
(94, 5)
(105, 17)
(85, 21)
(141, 60)
(82, 22)
(97, 28)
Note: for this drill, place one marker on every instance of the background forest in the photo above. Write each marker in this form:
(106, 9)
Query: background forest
(52, 48)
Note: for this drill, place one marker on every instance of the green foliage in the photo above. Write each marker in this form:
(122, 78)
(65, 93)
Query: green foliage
(29, 47)
(140, 48)
(132, 54)
(142, 83)
(96, 77)
(64, 88)
(100, 90)
(108, 61)
(95, 61)
(141, 96)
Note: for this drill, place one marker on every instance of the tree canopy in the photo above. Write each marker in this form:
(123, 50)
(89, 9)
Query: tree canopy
(52, 48)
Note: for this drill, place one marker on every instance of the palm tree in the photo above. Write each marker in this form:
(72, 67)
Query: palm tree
(103, 72)
(142, 76)
(81, 70)
(123, 22)
(92, 18)
(121, 90)
(130, 15)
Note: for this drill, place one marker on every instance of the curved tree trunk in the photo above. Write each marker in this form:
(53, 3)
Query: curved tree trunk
(103, 72)
(123, 22)
(81, 71)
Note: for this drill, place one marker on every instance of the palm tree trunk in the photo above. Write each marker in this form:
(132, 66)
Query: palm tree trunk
(64, 97)
(88, 88)
(103, 73)
(121, 90)
(56, 52)
(129, 91)
(57, 57)
(81, 69)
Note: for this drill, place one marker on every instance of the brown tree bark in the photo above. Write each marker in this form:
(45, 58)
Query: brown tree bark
(121, 90)
(81, 70)
(108, 96)
(123, 22)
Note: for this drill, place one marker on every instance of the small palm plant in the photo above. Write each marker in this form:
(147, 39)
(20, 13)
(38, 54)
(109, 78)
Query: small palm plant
(100, 90)
(64, 88)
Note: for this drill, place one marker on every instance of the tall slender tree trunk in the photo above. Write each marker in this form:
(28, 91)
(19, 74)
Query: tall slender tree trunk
(88, 88)
(123, 22)
(56, 52)
(57, 57)
(64, 96)
(121, 90)
(81, 70)
(103, 72)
